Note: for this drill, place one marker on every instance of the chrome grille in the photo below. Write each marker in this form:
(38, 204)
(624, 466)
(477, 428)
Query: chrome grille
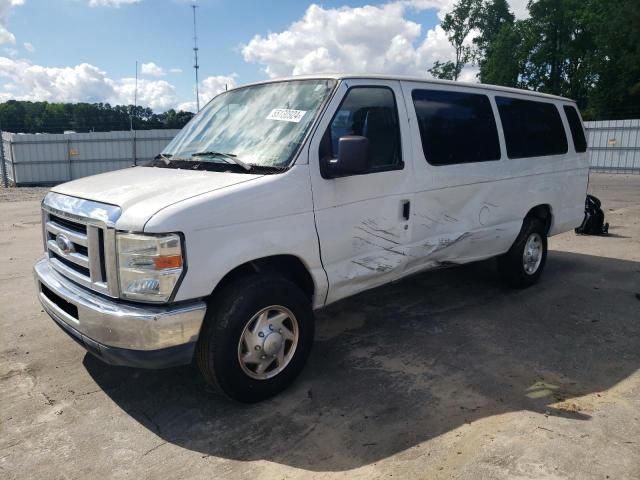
(79, 238)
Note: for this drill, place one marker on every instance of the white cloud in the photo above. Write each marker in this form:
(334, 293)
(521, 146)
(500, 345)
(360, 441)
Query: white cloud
(159, 95)
(22, 80)
(29, 47)
(368, 39)
(111, 3)
(212, 86)
(80, 83)
(209, 88)
(371, 39)
(519, 8)
(188, 106)
(175, 70)
(5, 10)
(152, 69)
(469, 74)
(443, 6)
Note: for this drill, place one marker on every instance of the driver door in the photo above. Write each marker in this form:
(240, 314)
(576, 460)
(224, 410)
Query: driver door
(363, 220)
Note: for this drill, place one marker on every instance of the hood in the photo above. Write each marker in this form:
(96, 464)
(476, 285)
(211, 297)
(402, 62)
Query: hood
(143, 191)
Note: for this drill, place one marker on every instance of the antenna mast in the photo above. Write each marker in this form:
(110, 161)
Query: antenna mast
(195, 54)
(135, 99)
(135, 93)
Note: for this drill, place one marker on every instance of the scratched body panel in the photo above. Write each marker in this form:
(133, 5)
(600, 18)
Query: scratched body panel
(472, 211)
(350, 232)
(363, 236)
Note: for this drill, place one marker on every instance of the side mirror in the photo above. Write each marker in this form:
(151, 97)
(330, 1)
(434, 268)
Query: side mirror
(353, 156)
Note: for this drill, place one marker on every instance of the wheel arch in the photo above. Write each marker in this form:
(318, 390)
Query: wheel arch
(542, 212)
(290, 267)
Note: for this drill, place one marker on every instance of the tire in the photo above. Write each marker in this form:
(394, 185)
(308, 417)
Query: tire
(254, 308)
(518, 271)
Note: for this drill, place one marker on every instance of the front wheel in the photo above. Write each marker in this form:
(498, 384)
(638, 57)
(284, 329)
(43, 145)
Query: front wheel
(522, 265)
(256, 338)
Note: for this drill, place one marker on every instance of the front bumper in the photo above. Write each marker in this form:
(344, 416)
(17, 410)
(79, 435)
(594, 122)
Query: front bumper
(120, 333)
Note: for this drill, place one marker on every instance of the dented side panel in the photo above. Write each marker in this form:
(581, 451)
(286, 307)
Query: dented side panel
(459, 213)
(472, 211)
(363, 235)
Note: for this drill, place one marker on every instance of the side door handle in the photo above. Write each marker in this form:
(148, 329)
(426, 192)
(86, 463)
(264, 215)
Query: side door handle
(406, 209)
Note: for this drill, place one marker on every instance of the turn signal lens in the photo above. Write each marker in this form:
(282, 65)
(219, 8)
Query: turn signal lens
(174, 261)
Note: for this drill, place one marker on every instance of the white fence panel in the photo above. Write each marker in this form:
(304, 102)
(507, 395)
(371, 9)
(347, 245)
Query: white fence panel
(614, 145)
(45, 159)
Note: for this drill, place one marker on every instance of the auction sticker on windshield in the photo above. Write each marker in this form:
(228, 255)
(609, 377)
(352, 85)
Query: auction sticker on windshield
(286, 115)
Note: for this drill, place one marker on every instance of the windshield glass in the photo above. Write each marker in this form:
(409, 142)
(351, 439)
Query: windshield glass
(260, 125)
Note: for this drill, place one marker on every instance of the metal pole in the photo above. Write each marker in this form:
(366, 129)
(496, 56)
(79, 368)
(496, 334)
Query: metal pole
(2, 160)
(135, 153)
(195, 53)
(13, 163)
(135, 100)
(135, 107)
(69, 170)
(135, 92)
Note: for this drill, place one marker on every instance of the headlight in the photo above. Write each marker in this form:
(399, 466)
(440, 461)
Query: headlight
(149, 266)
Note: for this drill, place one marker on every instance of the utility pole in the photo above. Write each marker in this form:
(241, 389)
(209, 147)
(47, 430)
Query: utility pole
(135, 99)
(135, 107)
(195, 54)
(135, 92)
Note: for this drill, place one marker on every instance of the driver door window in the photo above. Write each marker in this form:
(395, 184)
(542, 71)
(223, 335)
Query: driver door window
(368, 112)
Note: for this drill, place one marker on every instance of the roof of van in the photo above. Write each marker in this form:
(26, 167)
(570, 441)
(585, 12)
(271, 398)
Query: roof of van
(347, 76)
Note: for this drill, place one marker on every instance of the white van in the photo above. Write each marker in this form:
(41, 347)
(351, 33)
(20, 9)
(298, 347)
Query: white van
(284, 196)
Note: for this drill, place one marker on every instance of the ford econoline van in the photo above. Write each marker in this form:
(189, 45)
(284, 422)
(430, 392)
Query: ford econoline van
(284, 196)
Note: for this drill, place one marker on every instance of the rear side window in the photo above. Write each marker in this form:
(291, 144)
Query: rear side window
(456, 127)
(531, 129)
(577, 132)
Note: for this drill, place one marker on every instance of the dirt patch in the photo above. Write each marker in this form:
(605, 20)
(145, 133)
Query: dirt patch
(22, 194)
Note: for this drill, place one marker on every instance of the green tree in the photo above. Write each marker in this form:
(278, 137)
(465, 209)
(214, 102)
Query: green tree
(503, 61)
(552, 51)
(443, 70)
(496, 36)
(587, 50)
(492, 16)
(616, 85)
(45, 117)
(458, 24)
(558, 48)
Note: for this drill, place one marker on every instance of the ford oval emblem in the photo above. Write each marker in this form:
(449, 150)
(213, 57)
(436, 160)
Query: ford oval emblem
(64, 244)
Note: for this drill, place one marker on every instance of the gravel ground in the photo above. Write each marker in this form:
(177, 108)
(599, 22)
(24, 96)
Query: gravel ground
(22, 194)
(444, 375)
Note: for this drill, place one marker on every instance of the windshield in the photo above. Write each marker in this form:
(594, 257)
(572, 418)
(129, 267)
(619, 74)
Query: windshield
(260, 125)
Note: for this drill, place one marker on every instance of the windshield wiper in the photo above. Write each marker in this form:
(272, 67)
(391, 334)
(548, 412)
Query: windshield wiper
(164, 156)
(229, 156)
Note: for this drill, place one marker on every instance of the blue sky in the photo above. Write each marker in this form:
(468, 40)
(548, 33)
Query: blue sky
(160, 31)
(76, 51)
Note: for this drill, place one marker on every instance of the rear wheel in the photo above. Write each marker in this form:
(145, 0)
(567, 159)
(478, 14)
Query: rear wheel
(522, 265)
(257, 337)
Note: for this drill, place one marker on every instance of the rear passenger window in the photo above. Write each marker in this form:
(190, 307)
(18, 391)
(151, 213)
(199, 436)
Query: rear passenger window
(577, 132)
(369, 112)
(531, 129)
(456, 127)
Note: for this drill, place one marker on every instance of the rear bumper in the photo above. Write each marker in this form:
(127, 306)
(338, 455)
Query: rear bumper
(120, 333)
